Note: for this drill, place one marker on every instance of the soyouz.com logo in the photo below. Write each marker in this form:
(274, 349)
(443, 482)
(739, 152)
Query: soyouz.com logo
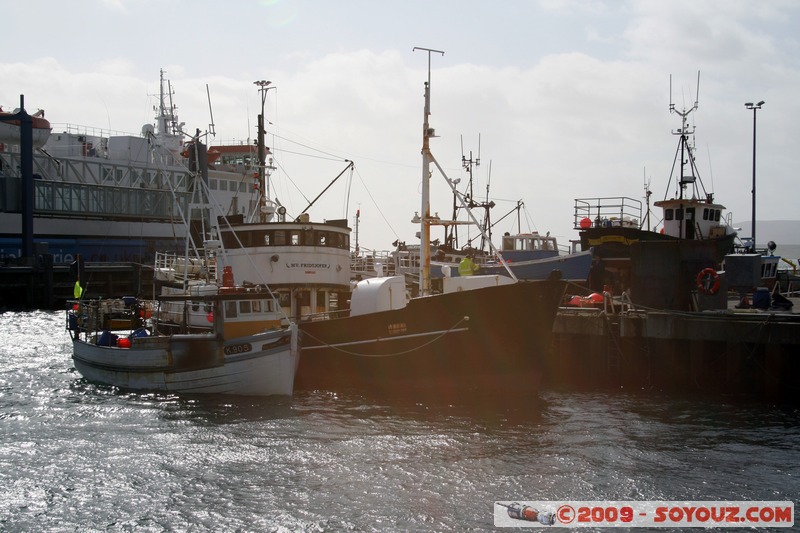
(644, 514)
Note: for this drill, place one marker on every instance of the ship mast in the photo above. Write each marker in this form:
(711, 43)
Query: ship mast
(264, 171)
(426, 220)
(425, 226)
(685, 151)
(169, 132)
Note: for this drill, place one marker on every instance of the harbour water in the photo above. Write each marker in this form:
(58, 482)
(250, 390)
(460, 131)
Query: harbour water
(78, 457)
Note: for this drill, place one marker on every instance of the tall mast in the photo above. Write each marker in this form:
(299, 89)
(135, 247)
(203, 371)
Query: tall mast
(685, 150)
(263, 176)
(425, 227)
(168, 132)
(166, 121)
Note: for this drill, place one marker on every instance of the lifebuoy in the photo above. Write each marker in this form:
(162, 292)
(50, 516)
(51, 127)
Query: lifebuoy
(708, 281)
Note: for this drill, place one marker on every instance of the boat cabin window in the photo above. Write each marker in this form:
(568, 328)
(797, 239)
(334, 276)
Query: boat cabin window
(212, 184)
(668, 214)
(256, 306)
(306, 237)
(244, 307)
(679, 214)
(713, 214)
(717, 213)
(525, 244)
(230, 309)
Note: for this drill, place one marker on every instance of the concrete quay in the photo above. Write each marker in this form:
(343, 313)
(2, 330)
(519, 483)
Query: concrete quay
(749, 352)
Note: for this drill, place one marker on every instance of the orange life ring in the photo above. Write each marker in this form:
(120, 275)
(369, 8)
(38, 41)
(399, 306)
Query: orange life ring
(708, 281)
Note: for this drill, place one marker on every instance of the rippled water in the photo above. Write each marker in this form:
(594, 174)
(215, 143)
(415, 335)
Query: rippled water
(74, 456)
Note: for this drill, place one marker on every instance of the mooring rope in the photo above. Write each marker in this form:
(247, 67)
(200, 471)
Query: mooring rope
(441, 334)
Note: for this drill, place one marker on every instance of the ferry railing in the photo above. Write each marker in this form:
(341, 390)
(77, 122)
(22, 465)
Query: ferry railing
(77, 129)
(58, 198)
(98, 170)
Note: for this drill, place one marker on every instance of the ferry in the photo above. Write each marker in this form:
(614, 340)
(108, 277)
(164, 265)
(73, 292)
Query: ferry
(94, 186)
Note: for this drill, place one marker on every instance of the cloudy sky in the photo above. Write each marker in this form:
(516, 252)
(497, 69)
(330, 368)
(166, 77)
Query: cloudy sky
(565, 99)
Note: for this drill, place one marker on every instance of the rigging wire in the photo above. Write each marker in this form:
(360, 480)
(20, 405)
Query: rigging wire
(377, 207)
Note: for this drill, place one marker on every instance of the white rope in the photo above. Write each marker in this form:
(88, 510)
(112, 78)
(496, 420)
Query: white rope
(440, 334)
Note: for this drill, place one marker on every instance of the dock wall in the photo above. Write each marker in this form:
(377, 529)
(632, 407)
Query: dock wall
(753, 353)
(39, 284)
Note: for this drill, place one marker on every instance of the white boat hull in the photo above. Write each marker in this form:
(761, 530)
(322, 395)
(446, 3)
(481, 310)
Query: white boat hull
(258, 365)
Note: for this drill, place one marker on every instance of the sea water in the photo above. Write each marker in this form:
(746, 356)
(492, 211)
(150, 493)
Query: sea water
(80, 457)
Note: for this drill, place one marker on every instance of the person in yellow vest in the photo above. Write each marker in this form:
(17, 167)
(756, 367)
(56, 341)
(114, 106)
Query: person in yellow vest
(467, 266)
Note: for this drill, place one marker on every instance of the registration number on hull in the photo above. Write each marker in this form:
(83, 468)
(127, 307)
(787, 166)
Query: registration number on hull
(234, 349)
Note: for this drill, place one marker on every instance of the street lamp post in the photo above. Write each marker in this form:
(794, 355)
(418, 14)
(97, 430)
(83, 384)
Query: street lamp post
(754, 107)
(263, 87)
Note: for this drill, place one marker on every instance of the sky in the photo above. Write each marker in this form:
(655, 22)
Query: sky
(558, 99)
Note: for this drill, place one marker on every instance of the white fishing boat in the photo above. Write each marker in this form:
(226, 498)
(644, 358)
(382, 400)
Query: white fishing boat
(245, 350)
(201, 333)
